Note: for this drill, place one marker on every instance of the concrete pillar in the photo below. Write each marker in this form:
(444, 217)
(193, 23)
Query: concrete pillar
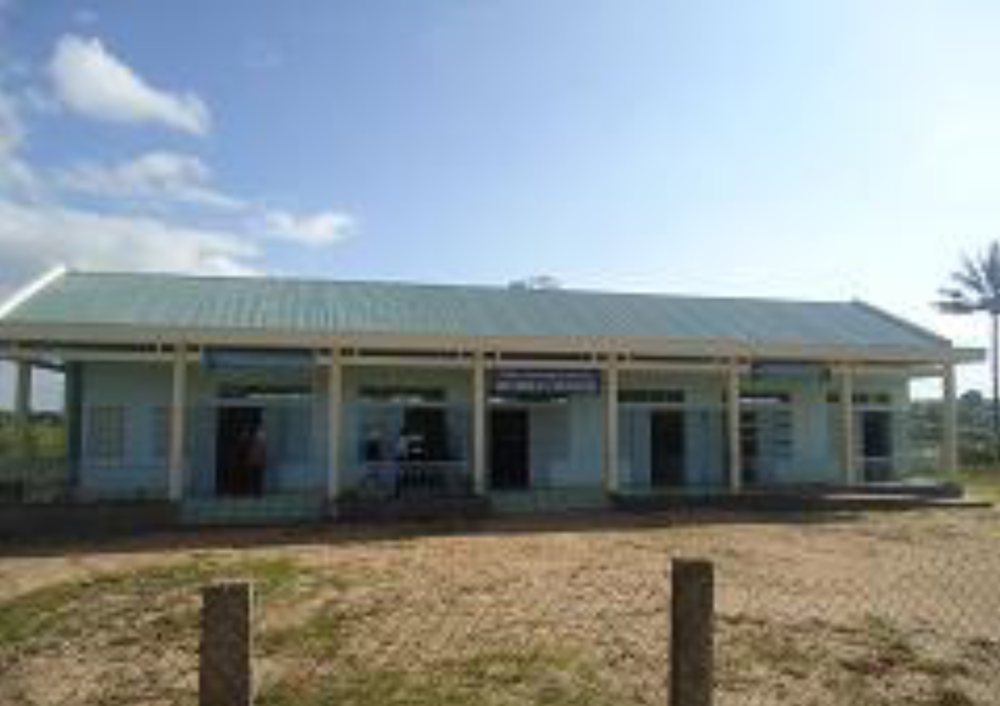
(479, 405)
(733, 429)
(949, 426)
(610, 388)
(178, 425)
(22, 406)
(848, 458)
(335, 421)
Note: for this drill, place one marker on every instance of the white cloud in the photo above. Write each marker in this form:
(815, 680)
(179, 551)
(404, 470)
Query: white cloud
(323, 228)
(34, 237)
(93, 82)
(153, 176)
(16, 176)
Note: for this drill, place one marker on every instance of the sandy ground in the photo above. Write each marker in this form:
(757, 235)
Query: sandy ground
(853, 609)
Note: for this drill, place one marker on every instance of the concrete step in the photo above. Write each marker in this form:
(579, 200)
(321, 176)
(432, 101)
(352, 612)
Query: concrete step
(266, 510)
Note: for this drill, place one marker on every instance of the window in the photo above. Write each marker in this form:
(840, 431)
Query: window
(882, 399)
(403, 395)
(651, 396)
(106, 433)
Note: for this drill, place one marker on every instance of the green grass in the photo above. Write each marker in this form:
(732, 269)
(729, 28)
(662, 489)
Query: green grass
(534, 676)
(72, 609)
(981, 482)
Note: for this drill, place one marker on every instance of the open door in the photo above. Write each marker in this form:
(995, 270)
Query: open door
(667, 448)
(240, 452)
(509, 449)
(876, 445)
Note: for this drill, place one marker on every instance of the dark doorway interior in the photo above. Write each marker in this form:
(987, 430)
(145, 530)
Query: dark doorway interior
(667, 448)
(240, 452)
(426, 431)
(876, 444)
(509, 449)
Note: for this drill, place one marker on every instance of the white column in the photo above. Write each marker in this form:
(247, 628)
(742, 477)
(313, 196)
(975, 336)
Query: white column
(611, 479)
(178, 424)
(479, 403)
(848, 458)
(335, 422)
(22, 405)
(949, 441)
(733, 429)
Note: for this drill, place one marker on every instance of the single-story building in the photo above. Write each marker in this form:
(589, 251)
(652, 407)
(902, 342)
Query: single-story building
(202, 390)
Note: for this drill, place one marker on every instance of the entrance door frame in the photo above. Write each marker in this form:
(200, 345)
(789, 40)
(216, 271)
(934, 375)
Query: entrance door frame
(523, 410)
(234, 474)
(673, 467)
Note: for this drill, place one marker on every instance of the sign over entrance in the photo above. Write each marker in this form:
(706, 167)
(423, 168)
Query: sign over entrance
(522, 381)
(237, 359)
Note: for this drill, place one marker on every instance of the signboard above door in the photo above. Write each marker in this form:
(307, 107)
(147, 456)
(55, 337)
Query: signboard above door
(248, 359)
(527, 381)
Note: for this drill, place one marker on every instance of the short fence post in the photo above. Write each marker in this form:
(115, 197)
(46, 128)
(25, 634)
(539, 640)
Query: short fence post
(692, 627)
(225, 673)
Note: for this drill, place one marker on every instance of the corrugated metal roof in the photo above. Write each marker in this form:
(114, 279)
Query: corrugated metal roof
(331, 307)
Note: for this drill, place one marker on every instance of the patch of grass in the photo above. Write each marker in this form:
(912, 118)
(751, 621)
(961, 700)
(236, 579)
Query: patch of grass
(160, 597)
(554, 678)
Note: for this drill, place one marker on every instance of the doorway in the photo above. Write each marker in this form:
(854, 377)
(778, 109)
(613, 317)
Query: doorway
(509, 449)
(667, 448)
(425, 430)
(876, 444)
(240, 452)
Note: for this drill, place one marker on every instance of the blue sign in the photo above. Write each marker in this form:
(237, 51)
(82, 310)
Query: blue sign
(253, 359)
(519, 381)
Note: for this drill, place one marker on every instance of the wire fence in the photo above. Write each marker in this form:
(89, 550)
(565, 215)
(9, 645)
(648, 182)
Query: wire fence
(838, 619)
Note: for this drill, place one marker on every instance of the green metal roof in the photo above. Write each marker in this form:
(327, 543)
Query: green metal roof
(239, 304)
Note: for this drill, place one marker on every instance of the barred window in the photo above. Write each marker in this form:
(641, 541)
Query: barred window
(106, 433)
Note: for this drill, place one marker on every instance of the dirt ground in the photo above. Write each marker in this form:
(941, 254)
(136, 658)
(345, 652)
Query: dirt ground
(874, 609)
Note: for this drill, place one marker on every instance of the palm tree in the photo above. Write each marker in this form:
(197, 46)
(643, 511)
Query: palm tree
(975, 289)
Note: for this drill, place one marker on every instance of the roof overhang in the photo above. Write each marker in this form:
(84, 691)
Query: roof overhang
(55, 337)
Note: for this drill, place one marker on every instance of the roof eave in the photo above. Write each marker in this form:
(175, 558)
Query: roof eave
(40, 335)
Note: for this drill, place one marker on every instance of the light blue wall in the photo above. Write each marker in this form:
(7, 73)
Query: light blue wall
(566, 439)
(137, 389)
(456, 384)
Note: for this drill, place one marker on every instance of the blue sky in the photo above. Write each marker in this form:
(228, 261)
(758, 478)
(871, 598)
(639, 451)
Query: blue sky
(828, 149)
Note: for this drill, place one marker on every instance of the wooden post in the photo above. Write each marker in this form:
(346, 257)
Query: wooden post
(692, 627)
(178, 425)
(479, 403)
(611, 476)
(847, 455)
(733, 429)
(949, 427)
(335, 422)
(225, 671)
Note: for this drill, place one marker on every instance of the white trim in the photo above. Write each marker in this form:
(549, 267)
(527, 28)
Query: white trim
(178, 424)
(848, 460)
(335, 423)
(610, 436)
(31, 289)
(734, 434)
(480, 400)
(949, 442)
